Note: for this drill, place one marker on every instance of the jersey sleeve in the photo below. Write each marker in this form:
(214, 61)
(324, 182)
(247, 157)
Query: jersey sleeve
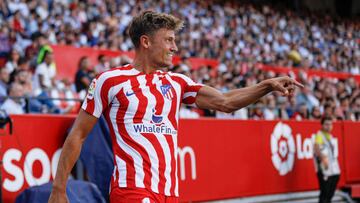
(98, 97)
(190, 90)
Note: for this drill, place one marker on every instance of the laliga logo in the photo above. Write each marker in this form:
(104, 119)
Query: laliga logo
(91, 90)
(282, 148)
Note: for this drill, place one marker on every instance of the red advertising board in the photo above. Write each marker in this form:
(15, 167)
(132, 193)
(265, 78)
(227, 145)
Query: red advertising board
(352, 151)
(217, 159)
(35, 139)
(234, 158)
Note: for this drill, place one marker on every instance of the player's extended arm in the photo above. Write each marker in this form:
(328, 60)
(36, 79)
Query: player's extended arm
(70, 153)
(210, 98)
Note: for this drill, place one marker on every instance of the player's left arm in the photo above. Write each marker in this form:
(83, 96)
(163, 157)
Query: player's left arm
(210, 98)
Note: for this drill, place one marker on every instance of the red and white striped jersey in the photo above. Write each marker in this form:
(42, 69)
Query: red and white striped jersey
(142, 111)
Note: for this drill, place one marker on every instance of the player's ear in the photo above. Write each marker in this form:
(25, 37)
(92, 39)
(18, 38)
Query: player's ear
(145, 41)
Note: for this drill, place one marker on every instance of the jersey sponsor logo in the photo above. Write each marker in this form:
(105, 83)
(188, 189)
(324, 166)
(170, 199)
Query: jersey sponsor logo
(91, 90)
(167, 91)
(155, 126)
(282, 148)
(156, 118)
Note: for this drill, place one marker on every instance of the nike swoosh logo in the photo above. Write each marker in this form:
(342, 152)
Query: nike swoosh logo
(128, 94)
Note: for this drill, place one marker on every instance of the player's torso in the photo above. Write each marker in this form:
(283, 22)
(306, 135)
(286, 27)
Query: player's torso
(142, 113)
(148, 103)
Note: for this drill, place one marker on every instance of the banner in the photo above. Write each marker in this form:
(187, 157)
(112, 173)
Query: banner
(352, 151)
(245, 158)
(217, 159)
(30, 155)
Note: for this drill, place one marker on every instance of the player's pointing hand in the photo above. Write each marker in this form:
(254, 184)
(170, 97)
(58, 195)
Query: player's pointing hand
(285, 85)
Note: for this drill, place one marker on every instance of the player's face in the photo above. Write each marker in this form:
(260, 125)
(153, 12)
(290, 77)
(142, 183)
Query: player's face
(162, 47)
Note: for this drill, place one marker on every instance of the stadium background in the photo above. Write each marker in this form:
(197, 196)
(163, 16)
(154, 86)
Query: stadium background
(226, 45)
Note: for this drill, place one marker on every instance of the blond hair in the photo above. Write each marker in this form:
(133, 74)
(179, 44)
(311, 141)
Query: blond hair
(148, 22)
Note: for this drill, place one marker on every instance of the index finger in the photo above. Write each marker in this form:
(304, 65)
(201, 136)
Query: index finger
(297, 83)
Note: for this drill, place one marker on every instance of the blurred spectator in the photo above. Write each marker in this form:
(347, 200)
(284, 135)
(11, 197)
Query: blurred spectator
(329, 110)
(103, 64)
(283, 113)
(5, 45)
(306, 97)
(23, 64)
(31, 52)
(44, 49)
(63, 95)
(44, 82)
(315, 113)
(44, 74)
(23, 78)
(257, 111)
(227, 31)
(242, 114)
(222, 115)
(14, 104)
(13, 61)
(270, 111)
(84, 75)
(4, 79)
(355, 107)
(291, 107)
(115, 62)
(123, 61)
(186, 112)
(240, 35)
(343, 110)
(16, 22)
(302, 113)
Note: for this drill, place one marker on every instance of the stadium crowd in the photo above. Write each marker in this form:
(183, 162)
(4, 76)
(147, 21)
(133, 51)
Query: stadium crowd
(238, 35)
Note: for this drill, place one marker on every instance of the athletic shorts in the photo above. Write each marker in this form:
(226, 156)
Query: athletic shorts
(139, 195)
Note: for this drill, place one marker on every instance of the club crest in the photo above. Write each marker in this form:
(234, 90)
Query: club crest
(167, 91)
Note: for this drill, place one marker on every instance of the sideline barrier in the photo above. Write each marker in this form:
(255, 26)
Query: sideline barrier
(352, 151)
(36, 139)
(217, 159)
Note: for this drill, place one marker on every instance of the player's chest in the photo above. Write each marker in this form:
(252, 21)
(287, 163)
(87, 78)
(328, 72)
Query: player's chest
(143, 92)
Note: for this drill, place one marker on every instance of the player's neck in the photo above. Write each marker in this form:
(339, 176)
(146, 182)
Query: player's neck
(143, 64)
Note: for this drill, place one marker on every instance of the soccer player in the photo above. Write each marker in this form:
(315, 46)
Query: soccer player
(141, 105)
